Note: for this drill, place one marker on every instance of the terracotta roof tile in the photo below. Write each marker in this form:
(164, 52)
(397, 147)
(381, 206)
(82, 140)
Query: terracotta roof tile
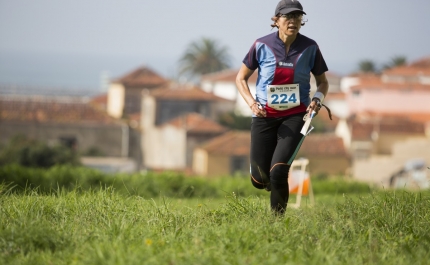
(419, 67)
(142, 77)
(196, 123)
(51, 110)
(408, 71)
(322, 145)
(378, 84)
(100, 101)
(336, 96)
(363, 126)
(185, 93)
(400, 116)
(366, 82)
(361, 131)
(365, 76)
(424, 62)
(234, 143)
(407, 127)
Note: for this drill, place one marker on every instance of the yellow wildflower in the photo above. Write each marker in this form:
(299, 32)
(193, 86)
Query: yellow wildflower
(148, 242)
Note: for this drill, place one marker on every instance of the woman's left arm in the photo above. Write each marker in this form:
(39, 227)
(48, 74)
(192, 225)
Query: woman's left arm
(318, 97)
(322, 84)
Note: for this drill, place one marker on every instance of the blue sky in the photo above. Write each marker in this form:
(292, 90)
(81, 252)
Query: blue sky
(69, 43)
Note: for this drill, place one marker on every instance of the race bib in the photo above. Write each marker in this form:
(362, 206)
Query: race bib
(283, 97)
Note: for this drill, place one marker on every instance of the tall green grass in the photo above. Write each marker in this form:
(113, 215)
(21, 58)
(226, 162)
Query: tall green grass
(151, 185)
(101, 226)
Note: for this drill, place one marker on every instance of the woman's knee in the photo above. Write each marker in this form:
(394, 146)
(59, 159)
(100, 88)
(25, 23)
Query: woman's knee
(257, 183)
(279, 174)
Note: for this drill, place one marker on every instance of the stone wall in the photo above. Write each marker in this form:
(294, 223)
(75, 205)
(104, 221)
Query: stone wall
(111, 140)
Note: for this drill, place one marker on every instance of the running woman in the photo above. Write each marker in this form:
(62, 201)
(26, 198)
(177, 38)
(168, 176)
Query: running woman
(285, 60)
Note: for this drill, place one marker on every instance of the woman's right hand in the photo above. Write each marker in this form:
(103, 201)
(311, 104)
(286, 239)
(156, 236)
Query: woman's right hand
(258, 109)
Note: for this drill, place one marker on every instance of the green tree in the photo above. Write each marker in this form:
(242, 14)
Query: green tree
(203, 57)
(367, 66)
(395, 62)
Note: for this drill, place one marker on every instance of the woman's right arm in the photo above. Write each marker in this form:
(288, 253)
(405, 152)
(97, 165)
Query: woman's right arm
(242, 85)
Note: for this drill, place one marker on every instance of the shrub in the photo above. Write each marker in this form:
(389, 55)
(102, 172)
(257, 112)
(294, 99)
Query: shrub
(150, 185)
(338, 186)
(33, 153)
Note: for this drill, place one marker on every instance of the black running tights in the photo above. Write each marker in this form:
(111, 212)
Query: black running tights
(274, 145)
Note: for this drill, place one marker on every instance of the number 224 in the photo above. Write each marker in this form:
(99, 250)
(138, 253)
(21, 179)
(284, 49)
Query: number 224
(284, 99)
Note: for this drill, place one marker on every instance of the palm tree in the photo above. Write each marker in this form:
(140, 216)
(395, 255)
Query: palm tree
(203, 57)
(367, 66)
(395, 62)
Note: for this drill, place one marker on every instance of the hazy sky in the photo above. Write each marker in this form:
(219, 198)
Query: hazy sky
(71, 42)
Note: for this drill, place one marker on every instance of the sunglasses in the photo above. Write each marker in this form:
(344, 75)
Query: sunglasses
(291, 15)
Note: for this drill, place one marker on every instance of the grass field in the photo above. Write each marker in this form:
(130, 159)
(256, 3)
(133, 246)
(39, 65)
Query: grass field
(68, 215)
(104, 227)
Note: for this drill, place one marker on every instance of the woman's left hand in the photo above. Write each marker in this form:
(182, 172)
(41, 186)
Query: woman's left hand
(314, 106)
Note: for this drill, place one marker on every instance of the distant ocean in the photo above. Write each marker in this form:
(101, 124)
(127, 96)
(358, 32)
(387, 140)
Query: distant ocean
(68, 74)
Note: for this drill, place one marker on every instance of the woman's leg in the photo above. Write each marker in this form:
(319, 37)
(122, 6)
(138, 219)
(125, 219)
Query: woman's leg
(263, 143)
(289, 141)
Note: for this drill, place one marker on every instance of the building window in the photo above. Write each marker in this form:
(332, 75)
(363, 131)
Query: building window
(202, 109)
(356, 93)
(132, 104)
(238, 164)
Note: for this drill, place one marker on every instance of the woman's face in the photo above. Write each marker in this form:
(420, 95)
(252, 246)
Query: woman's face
(290, 23)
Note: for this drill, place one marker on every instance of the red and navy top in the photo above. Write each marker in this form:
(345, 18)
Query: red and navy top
(275, 67)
